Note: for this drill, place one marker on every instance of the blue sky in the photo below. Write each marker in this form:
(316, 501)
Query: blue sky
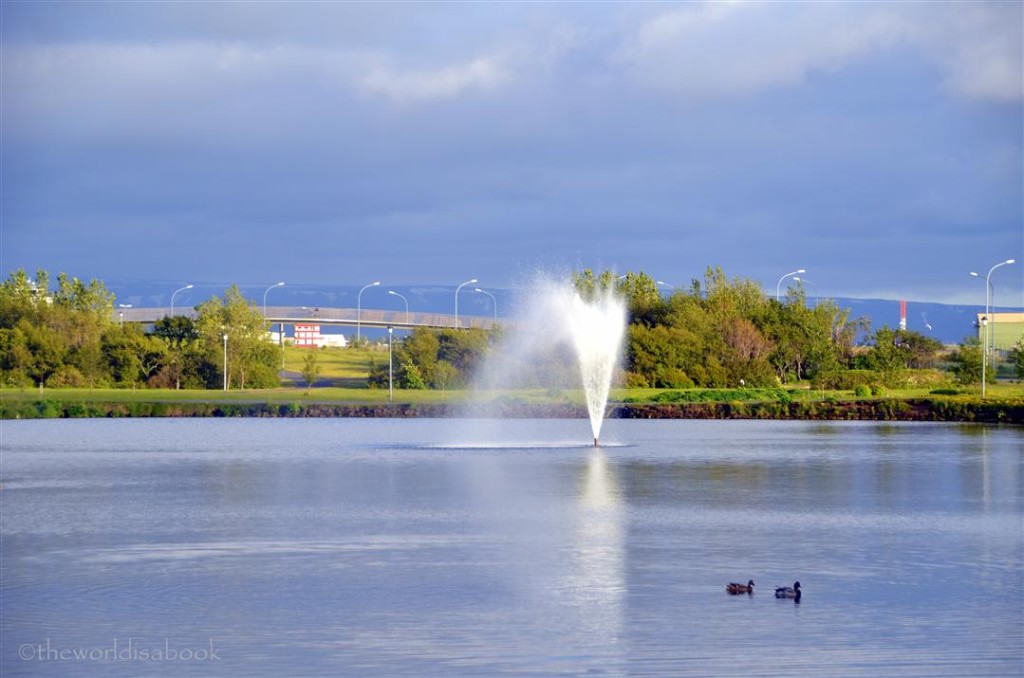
(877, 145)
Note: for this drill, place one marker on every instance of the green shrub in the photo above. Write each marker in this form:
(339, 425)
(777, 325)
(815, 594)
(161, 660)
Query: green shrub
(945, 391)
(676, 378)
(862, 391)
(718, 395)
(878, 390)
(48, 409)
(76, 410)
(67, 376)
(636, 380)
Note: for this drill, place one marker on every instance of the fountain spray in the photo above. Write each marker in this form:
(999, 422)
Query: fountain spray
(552, 323)
(597, 328)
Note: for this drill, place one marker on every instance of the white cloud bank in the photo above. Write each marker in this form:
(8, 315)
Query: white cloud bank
(717, 50)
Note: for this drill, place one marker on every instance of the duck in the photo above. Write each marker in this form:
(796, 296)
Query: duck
(788, 592)
(734, 587)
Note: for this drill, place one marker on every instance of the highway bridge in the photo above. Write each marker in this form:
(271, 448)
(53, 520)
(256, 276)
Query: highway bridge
(342, 317)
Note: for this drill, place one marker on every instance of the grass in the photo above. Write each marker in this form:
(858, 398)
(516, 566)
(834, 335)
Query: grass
(346, 368)
(364, 395)
(343, 379)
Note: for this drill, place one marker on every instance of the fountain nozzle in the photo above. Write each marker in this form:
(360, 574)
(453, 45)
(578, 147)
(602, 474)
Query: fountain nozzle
(596, 444)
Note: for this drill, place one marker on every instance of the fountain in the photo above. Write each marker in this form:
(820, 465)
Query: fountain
(552, 323)
(596, 328)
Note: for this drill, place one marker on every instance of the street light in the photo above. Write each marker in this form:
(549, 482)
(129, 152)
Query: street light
(121, 313)
(225, 362)
(359, 310)
(778, 286)
(391, 369)
(988, 292)
(406, 304)
(280, 337)
(182, 289)
(493, 301)
(984, 349)
(280, 284)
(468, 282)
(988, 288)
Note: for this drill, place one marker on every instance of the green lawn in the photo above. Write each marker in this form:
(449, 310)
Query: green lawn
(366, 395)
(343, 379)
(346, 368)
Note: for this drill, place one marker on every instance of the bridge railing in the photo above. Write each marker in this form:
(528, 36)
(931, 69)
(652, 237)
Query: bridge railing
(324, 315)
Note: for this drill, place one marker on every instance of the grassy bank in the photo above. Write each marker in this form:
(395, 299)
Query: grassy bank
(1004, 403)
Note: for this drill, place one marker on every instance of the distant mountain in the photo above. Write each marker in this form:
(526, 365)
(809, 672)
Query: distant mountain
(947, 323)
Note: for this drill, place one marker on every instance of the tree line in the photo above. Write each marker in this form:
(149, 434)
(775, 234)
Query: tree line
(718, 333)
(67, 337)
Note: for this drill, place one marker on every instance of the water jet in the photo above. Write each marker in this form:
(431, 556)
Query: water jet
(557, 338)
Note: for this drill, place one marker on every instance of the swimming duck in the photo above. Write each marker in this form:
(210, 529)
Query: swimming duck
(734, 587)
(787, 592)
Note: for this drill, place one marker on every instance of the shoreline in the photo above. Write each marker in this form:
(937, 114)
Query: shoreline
(966, 410)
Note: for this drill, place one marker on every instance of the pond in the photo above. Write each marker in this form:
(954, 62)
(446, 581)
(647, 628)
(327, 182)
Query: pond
(383, 547)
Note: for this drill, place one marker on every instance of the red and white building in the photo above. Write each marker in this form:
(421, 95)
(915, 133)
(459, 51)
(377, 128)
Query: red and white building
(308, 336)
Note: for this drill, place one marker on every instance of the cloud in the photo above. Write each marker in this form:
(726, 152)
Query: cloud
(715, 50)
(979, 46)
(725, 49)
(480, 73)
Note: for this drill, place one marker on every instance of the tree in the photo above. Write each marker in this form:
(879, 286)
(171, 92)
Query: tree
(253, 359)
(132, 357)
(643, 298)
(1017, 357)
(444, 374)
(589, 286)
(187, 362)
(966, 361)
(310, 368)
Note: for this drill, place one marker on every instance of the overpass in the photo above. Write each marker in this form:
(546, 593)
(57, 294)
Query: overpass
(341, 317)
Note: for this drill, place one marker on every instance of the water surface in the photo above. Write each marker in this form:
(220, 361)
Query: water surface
(445, 547)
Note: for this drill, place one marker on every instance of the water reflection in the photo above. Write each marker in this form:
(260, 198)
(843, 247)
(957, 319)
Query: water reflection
(596, 575)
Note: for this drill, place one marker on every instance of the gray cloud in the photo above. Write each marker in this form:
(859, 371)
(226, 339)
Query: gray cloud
(879, 140)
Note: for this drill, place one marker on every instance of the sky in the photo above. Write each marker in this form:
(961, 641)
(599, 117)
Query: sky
(877, 145)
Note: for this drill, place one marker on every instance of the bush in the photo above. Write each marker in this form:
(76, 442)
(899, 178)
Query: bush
(48, 409)
(636, 380)
(676, 378)
(862, 391)
(945, 391)
(67, 376)
(717, 395)
(878, 390)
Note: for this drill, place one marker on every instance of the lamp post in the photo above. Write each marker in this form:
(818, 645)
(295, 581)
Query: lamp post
(280, 337)
(180, 289)
(985, 319)
(468, 282)
(494, 301)
(225, 362)
(280, 284)
(406, 304)
(984, 350)
(359, 310)
(121, 313)
(391, 368)
(989, 292)
(778, 286)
